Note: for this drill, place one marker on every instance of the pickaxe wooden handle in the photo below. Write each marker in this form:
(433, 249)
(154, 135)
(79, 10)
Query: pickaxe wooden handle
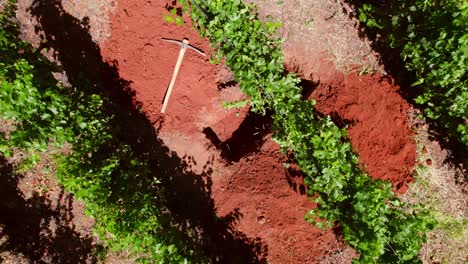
(184, 45)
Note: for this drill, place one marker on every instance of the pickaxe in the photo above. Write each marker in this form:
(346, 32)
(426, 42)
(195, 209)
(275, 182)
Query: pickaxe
(184, 45)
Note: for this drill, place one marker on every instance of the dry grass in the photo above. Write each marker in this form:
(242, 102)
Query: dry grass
(339, 253)
(341, 37)
(438, 189)
(10, 257)
(98, 13)
(123, 257)
(322, 26)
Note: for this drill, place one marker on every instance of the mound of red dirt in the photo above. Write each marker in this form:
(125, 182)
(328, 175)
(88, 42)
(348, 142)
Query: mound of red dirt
(378, 124)
(273, 209)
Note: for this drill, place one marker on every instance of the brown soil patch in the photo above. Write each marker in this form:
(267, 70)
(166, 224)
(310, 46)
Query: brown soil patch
(93, 14)
(320, 32)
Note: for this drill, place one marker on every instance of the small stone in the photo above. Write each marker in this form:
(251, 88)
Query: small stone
(261, 220)
(425, 151)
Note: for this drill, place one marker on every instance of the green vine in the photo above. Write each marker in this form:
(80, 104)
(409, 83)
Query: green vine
(432, 39)
(116, 186)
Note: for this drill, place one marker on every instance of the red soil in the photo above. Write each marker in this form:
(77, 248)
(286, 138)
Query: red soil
(253, 180)
(374, 111)
(378, 125)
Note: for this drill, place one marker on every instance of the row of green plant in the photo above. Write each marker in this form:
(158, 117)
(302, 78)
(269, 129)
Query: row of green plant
(432, 38)
(375, 222)
(114, 182)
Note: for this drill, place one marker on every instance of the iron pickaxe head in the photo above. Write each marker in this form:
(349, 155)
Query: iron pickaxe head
(184, 44)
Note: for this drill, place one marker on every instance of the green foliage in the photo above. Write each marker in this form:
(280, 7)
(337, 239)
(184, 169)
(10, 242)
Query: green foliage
(37, 113)
(372, 218)
(172, 17)
(433, 39)
(116, 186)
(168, 18)
(174, 14)
(235, 104)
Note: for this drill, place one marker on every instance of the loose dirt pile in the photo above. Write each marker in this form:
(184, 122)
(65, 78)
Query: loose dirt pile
(378, 125)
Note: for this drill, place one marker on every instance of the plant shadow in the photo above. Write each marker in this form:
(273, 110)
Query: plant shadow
(248, 138)
(37, 228)
(188, 213)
